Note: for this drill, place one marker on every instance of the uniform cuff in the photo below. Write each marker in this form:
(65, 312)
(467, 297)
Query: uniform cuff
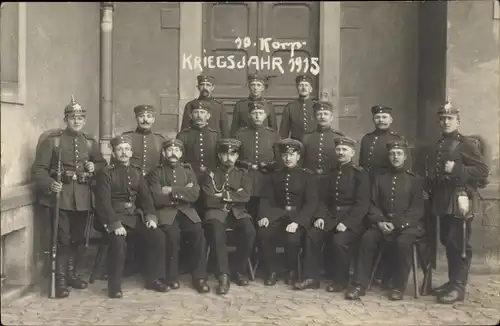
(113, 226)
(151, 217)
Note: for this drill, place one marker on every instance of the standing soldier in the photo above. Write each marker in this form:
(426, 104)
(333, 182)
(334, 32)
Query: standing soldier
(199, 141)
(373, 158)
(120, 188)
(227, 190)
(80, 159)
(319, 146)
(459, 169)
(298, 116)
(219, 120)
(257, 85)
(396, 214)
(345, 202)
(258, 152)
(175, 189)
(288, 202)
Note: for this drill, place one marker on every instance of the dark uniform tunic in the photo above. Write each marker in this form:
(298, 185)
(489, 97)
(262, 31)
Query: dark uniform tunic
(176, 213)
(120, 188)
(228, 212)
(445, 189)
(297, 119)
(290, 195)
(397, 197)
(75, 197)
(319, 150)
(345, 198)
(241, 116)
(373, 155)
(218, 121)
(199, 145)
(146, 147)
(258, 146)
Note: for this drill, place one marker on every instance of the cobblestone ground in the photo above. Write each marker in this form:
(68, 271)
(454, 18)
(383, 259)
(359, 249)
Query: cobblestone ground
(253, 305)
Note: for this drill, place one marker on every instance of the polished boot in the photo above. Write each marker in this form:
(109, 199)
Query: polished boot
(201, 285)
(115, 291)
(240, 279)
(271, 279)
(455, 294)
(62, 290)
(73, 280)
(396, 295)
(307, 283)
(291, 277)
(224, 284)
(174, 285)
(440, 290)
(355, 292)
(157, 286)
(335, 287)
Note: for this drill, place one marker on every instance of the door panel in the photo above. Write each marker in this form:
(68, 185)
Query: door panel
(223, 23)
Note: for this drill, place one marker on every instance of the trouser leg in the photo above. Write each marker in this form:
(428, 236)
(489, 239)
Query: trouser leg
(215, 231)
(341, 255)
(368, 247)
(313, 255)
(245, 241)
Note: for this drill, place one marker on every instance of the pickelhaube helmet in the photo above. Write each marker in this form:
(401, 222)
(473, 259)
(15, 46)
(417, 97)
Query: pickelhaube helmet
(74, 108)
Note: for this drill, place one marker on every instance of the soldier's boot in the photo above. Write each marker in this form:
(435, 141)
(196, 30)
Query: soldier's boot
(355, 292)
(73, 280)
(307, 283)
(62, 290)
(291, 277)
(224, 284)
(443, 288)
(455, 294)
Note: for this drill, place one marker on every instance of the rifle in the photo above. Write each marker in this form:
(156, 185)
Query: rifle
(431, 257)
(55, 227)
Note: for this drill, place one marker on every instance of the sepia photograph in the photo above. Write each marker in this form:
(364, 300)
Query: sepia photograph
(270, 163)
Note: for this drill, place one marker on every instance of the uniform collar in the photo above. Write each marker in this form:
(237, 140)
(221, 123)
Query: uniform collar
(304, 100)
(381, 131)
(451, 135)
(72, 133)
(295, 168)
(205, 98)
(121, 165)
(343, 166)
(397, 170)
(251, 98)
(254, 127)
(323, 129)
(226, 169)
(172, 166)
(195, 127)
(140, 130)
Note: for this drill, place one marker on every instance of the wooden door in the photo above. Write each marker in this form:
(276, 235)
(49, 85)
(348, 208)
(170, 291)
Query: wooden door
(283, 21)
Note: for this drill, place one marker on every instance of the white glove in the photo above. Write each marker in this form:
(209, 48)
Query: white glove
(463, 205)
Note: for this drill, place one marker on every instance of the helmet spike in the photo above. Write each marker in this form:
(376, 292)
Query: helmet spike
(73, 102)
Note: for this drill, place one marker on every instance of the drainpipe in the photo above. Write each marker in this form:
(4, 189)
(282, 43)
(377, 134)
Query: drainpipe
(106, 79)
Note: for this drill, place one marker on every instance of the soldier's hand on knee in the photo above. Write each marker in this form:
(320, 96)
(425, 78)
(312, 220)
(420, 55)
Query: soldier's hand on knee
(341, 227)
(319, 223)
(263, 222)
(121, 231)
(448, 166)
(383, 227)
(56, 186)
(292, 227)
(151, 224)
(190, 185)
(166, 190)
(89, 166)
(390, 226)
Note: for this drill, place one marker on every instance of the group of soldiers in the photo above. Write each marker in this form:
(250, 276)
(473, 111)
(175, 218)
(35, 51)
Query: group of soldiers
(298, 187)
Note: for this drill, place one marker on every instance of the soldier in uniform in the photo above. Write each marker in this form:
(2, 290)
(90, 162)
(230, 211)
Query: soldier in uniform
(344, 204)
(257, 85)
(219, 120)
(258, 152)
(373, 158)
(455, 199)
(298, 116)
(396, 214)
(319, 147)
(288, 202)
(175, 189)
(199, 141)
(227, 190)
(80, 159)
(120, 188)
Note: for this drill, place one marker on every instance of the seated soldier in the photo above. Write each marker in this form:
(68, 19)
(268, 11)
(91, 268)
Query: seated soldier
(175, 189)
(288, 202)
(345, 195)
(396, 214)
(118, 187)
(227, 190)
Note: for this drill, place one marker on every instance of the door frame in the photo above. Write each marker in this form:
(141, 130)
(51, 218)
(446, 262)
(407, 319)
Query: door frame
(191, 41)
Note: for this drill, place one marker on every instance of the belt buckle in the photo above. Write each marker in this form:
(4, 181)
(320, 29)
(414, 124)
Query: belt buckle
(75, 177)
(128, 205)
(288, 208)
(319, 171)
(337, 208)
(203, 168)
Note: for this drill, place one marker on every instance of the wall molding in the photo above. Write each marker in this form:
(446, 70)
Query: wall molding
(17, 197)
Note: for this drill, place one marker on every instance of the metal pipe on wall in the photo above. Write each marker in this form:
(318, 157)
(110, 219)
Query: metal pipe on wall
(106, 79)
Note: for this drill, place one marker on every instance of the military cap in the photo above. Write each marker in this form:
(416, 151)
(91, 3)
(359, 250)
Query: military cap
(301, 78)
(173, 142)
(200, 104)
(143, 108)
(74, 108)
(228, 145)
(448, 109)
(397, 144)
(345, 141)
(381, 109)
(258, 77)
(122, 139)
(289, 145)
(322, 105)
(205, 78)
(256, 105)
